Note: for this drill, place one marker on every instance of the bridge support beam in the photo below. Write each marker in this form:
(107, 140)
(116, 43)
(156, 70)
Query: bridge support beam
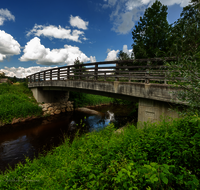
(152, 110)
(50, 96)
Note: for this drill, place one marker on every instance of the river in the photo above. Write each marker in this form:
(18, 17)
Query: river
(31, 138)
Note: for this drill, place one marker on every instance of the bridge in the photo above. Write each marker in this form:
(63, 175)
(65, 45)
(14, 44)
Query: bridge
(144, 83)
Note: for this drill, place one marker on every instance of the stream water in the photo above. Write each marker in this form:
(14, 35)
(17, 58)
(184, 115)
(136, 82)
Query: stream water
(31, 138)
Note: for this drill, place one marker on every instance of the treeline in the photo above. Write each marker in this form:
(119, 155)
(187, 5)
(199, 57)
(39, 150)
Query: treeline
(12, 79)
(153, 36)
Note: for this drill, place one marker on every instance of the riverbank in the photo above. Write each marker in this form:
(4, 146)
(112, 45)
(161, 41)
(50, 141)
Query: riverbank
(17, 104)
(160, 156)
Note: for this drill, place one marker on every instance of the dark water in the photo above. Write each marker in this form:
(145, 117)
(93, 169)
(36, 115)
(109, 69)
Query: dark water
(38, 136)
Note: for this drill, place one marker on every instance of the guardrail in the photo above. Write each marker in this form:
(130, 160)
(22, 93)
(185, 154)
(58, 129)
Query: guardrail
(95, 71)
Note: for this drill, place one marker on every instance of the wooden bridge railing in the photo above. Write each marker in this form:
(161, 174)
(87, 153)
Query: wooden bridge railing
(99, 71)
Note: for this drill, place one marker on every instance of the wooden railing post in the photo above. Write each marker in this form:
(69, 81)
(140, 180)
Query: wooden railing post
(34, 78)
(117, 72)
(147, 73)
(104, 76)
(44, 77)
(50, 74)
(80, 71)
(165, 81)
(38, 77)
(96, 71)
(68, 73)
(58, 73)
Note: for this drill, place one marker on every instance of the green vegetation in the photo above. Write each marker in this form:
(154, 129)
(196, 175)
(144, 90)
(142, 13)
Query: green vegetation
(161, 156)
(151, 34)
(17, 101)
(83, 99)
(185, 37)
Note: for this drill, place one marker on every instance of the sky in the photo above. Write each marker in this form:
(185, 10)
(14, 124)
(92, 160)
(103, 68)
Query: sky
(39, 35)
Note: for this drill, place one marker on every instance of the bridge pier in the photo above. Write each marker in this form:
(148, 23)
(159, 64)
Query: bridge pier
(50, 95)
(152, 110)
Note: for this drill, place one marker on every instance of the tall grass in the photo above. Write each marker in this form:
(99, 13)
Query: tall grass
(160, 156)
(16, 101)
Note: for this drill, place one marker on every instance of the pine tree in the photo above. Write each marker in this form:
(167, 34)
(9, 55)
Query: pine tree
(151, 34)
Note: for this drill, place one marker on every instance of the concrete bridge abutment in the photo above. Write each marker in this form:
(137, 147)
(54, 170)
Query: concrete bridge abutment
(153, 110)
(50, 96)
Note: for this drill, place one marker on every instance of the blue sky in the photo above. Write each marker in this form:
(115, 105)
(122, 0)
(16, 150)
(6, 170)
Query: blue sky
(36, 35)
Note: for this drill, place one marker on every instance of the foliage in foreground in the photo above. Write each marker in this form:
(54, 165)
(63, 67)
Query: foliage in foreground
(16, 101)
(162, 156)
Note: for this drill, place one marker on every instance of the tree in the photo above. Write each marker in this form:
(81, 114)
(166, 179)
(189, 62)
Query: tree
(2, 74)
(76, 72)
(184, 35)
(123, 56)
(186, 46)
(151, 34)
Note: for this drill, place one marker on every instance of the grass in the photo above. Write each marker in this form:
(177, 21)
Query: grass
(161, 156)
(83, 99)
(17, 101)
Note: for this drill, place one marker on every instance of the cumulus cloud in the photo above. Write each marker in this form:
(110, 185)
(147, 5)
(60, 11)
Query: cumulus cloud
(126, 12)
(22, 72)
(78, 22)
(52, 31)
(112, 55)
(35, 51)
(8, 45)
(5, 14)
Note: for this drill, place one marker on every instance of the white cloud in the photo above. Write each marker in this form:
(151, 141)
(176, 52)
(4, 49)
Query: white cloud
(22, 72)
(5, 14)
(35, 51)
(78, 22)
(112, 55)
(56, 32)
(2, 57)
(92, 59)
(8, 45)
(126, 12)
